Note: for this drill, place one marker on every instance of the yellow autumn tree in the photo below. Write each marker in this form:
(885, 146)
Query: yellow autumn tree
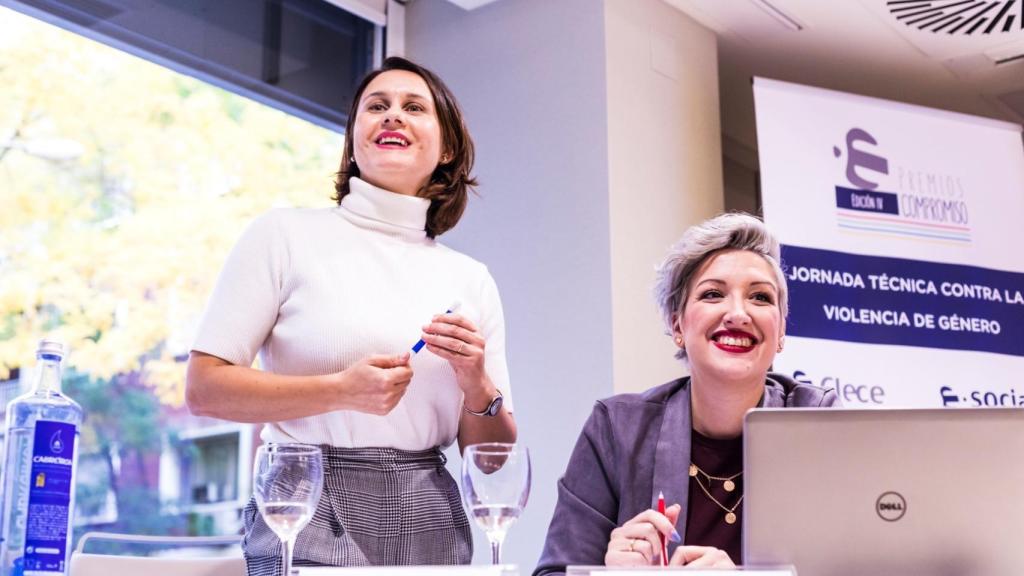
(123, 185)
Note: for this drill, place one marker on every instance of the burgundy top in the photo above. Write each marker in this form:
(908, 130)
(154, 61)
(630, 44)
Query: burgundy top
(705, 520)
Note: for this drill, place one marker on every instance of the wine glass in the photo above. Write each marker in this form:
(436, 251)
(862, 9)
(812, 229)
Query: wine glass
(287, 480)
(495, 486)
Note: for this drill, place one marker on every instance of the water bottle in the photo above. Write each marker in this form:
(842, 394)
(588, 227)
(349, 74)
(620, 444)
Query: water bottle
(39, 473)
(6, 396)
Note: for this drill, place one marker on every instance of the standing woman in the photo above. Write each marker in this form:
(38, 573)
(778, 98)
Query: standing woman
(332, 300)
(723, 297)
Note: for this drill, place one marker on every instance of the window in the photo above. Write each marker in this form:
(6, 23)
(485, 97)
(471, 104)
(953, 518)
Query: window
(302, 56)
(95, 499)
(124, 185)
(13, 386)
(206, 471)
(212, 465)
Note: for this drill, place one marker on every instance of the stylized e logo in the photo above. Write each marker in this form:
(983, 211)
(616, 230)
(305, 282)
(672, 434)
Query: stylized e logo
(861, 159)
(948, 396)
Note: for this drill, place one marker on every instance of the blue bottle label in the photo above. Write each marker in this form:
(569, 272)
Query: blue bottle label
(46, 530)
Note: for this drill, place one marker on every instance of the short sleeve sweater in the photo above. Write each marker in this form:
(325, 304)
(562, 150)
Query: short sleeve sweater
(312, 291)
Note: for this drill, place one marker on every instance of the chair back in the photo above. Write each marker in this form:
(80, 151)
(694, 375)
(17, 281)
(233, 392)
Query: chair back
(88, 564)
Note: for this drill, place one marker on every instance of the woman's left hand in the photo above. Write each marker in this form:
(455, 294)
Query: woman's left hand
(456, 339)
(701, 557)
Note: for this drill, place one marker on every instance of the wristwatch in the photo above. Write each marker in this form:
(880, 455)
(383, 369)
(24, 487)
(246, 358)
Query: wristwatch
(492, 409)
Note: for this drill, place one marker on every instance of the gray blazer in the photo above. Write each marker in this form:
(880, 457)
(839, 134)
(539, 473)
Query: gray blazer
(632, 447)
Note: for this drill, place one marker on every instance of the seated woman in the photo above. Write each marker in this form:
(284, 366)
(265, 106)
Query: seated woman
(722, 295)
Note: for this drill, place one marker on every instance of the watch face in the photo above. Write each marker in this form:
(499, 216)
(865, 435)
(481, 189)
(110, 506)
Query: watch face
(495, 406)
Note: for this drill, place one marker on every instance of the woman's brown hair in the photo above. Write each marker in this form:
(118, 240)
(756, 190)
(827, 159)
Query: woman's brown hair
(449, 185)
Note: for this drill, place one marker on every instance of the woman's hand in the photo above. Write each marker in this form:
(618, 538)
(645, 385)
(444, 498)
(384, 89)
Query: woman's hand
(218, 388)
(456, 339)
(701, 557)
(376, 384)
(638, 541)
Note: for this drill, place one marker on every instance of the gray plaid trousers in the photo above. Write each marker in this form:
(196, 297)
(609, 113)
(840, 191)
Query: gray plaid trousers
(380, 507)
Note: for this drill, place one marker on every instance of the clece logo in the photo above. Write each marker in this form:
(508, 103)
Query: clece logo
(891, 506)
(56, 444)
(849, 392)
(919, 204)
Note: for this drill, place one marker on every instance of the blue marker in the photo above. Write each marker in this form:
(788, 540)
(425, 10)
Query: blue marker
(420, 343)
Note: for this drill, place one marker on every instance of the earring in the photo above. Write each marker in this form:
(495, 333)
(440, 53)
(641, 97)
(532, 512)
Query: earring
(351, 159)
(444, 159)
(679, 341)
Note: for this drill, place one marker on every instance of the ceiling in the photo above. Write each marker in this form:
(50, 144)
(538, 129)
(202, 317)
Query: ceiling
(859, 46)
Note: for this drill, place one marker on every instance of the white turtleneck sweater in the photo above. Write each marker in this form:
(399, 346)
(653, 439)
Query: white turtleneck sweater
(315, 290)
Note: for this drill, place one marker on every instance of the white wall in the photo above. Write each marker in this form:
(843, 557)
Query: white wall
(597, 130)
(740, 186)
(664, 168)
(740, 174)
(530, 76)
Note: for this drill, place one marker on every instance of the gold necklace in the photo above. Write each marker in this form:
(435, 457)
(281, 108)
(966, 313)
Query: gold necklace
(727, 483)
(730, 513)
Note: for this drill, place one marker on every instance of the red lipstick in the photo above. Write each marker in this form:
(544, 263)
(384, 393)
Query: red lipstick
(736, 341)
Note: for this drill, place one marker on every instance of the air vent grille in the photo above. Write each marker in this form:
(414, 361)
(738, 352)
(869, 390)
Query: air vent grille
(965, 17)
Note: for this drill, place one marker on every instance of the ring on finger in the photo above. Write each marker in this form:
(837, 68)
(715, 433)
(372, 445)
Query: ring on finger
(459, 349)
(632, 542)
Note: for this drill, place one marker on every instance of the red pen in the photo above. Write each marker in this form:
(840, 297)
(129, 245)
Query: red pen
(664, 544)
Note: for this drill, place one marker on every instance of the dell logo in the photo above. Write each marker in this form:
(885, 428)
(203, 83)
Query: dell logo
(891, 506)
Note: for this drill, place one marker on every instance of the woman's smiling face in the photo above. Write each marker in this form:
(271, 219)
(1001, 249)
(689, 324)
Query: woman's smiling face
(396, 137)
(731, 324)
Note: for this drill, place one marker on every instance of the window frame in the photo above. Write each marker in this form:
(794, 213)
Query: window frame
(172, 479)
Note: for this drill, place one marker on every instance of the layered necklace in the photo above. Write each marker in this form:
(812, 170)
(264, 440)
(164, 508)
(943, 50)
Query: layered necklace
(728, 484)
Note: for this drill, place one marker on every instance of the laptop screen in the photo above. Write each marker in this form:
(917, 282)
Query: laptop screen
(910, 492)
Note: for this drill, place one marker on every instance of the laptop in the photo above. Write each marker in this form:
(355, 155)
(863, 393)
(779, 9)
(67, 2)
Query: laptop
(838, 492)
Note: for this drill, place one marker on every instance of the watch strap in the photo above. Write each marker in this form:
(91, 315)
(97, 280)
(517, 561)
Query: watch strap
(492, 409)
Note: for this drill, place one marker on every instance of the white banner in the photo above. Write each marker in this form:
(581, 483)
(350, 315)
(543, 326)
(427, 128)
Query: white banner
(901, 228)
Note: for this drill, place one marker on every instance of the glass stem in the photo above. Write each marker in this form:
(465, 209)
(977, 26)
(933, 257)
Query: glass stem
(496, 539)
(495, 552)
(287, 558)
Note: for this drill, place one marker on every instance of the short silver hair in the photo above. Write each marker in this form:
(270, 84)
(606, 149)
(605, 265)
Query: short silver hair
(732, 231)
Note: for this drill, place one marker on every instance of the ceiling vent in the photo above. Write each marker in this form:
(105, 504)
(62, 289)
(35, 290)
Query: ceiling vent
(1006, 54)
(965, 17)
(779, 15)
(470, 4)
